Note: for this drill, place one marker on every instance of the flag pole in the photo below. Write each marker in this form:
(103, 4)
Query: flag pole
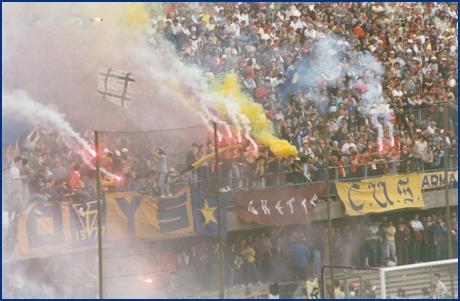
(446, 187)
(219, 216)
(99, 218)
(328, 200)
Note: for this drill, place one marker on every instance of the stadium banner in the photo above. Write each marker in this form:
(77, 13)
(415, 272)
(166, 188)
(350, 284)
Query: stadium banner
(437, 179)
(381, 194)
(278, 208)
(125, 215)
(205, 213)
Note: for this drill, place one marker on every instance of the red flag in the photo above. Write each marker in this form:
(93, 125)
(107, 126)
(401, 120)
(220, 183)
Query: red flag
(278, 208)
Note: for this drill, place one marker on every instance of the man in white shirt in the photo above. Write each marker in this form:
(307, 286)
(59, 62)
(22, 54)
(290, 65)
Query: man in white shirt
(16, 178)
(400, 59)
(296, 23)
(176, 28)
(397, 92)
(439, 287)
(375, 242)
(342, 117)
(431, 128)
(277, 25)
(236, 27)
(377, 8)
(390, 231)
(14, 170)
(418, 228)
(346, 146)
(196, 19)
(228, 51)
(244, 16)
(333, 127)
(218, 8)
(310, 32)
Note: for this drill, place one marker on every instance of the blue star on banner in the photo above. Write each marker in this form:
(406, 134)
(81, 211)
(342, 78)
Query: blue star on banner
(205, 213)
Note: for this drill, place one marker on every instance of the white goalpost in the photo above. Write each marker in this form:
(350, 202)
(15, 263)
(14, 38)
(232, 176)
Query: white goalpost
(423, 273)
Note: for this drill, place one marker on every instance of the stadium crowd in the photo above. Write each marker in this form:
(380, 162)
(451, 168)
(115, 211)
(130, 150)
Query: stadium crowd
(262, 42)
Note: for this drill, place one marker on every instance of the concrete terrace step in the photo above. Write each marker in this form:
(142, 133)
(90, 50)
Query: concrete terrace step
(412, 280)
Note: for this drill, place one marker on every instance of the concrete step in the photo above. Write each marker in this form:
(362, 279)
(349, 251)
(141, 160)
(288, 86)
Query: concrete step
(411, 280)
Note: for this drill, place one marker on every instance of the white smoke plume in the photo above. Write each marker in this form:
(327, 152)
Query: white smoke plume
(364, 72)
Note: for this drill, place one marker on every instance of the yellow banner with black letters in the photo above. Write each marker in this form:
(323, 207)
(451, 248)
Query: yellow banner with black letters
(381, 194)
(438, 179)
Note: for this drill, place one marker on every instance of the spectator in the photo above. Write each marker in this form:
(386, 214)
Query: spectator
(76, 187)
(374, 243)
(136, 184)
(300, 255)
(126, 167)
(37, 191)
(163, 171)
(250, 273)
(16, 180)
(402, 238)
(59, 171)
(440, 288)
(90, 285)
(440, 240)
(390, 238)
(401, 293)
(418, 229)
(63, 193)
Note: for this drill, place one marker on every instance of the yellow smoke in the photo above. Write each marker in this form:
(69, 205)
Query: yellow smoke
(262, 128)
(135, 14)
(156, 8)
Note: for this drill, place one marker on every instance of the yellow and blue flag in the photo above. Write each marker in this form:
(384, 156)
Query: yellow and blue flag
(205, 212)
(301, 77)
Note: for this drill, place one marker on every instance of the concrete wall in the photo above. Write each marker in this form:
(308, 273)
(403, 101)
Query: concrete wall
(433, 199)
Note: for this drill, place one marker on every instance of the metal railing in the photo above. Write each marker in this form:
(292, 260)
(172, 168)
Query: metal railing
(345, 279)
(364, 171)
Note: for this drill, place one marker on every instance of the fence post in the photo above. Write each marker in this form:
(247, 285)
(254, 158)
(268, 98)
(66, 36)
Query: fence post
(382, 285)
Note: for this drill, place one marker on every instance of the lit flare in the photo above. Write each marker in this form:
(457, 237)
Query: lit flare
(95, 21)
(93, 152)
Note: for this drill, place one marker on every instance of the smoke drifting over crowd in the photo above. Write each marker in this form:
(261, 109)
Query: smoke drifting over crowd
(51, 54)
(365, 70)
(55, 53)
(54, 56)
